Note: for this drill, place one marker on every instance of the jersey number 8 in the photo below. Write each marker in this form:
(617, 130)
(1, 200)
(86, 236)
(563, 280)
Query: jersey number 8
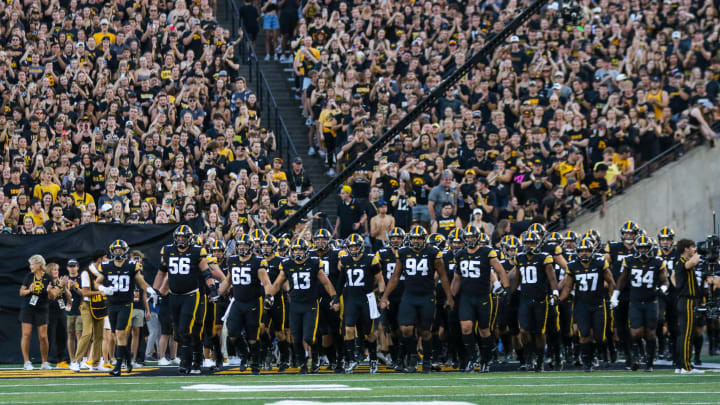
(179, 265)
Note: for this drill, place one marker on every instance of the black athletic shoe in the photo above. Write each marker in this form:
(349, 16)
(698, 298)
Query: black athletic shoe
(282, 367)
(314, 368)
(426, 367)
(635, 367)
(588, 368)
(303, 370)
(255, 370)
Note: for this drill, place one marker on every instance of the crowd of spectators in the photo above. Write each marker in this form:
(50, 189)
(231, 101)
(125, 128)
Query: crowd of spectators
(557, 116)
(132, 112)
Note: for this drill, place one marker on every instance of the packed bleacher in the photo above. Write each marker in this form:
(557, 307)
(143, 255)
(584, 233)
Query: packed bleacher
(558, 116)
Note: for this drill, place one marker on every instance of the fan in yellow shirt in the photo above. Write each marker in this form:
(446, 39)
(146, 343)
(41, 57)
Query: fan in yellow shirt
(46, 184)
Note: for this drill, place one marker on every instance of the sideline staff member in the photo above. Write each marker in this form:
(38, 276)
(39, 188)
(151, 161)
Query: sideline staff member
(687, 288)
(92, 319)
(38, 290)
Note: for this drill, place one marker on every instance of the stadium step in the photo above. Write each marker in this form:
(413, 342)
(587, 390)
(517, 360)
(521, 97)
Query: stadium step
(281, 83)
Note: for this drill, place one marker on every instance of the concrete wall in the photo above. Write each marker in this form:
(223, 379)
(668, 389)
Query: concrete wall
(682, 195)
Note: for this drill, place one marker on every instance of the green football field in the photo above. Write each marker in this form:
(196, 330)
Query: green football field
(439, 389)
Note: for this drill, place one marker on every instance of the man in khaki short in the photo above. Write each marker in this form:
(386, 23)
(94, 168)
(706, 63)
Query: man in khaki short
(73, 299)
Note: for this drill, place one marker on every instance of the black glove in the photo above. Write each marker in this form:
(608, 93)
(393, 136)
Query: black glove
(334, 300)
(268, 302)
(214, 295)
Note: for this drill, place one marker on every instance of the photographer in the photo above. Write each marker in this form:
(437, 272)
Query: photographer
(687, 288)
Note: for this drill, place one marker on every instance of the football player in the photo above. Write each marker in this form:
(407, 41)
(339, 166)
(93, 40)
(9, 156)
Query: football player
(249, 281)
(585, 276)
(667, 320)
(390, 330)
(181, 265)
(117, 281)
(455, 243)
(646, 275)
(419, 263)
(305, 276)
(276, 319)
(472, 280)
(536, 274)
(359, 274)
(212, 327)
(507, 324)
(330, 322)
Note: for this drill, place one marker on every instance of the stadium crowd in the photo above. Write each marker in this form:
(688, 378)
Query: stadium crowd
(136, 113)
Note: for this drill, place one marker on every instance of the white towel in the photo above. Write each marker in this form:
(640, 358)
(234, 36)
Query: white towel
(227, 311)
(372, 304)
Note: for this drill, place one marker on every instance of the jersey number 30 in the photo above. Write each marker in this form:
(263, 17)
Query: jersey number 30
(120, 283)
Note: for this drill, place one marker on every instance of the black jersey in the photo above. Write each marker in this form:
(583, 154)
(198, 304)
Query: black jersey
(329, 263)
(77, 298)
(643, 277)
(419, 269)
(533, 279)
(273, 267)
(182, 267)
(474, 269)
(589, 279)
(618, 252)
(450, 263)
(303, 279)
(246, 285)
(388, 260)
(357, 277)
(121, 279)
(445, 225)
(686, 283)
(553, 249)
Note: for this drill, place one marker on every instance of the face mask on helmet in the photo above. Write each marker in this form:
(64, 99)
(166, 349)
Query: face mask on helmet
(396, 241)
(471, 241)
(298, 253)
(584, 254)
(417, 242)
(531, 246)
(355, 249)
(628, 237)
(243, 249)
(267, 249)
(119, 254)
(511, 252)
(643, 252)
(321, 243)
(666, 244)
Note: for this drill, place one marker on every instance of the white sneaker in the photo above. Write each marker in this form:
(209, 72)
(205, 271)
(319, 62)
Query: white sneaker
(267, 57)
(234, 361)
(100, 368)
(283, 59)
(85, 365)
(330, 173)
(276, 57)
(28, 366)
(135, 364)
(322, 153)
(75, 366)
(207, 363)
(175, 361)
(46, 366)
(163, 362)
(311, 151)
(692, 371)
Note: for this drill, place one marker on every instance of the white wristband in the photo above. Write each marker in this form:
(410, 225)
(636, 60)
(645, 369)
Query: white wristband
(497, 284)
(616, 294)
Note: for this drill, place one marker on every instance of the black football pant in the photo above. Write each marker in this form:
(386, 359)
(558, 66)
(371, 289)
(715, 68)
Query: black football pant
(685, 311)
(188, 313)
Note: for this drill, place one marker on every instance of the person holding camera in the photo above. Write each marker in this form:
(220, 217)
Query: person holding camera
(686, 285)
(37, 290)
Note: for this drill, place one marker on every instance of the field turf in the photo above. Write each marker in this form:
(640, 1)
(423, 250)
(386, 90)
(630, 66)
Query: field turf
(604, 387)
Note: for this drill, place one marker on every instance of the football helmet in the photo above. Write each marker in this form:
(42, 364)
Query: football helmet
(182, 237)
(120, 245)
(355, 245)
(418, 237)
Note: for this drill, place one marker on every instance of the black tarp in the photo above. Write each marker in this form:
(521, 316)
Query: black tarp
(77, 243)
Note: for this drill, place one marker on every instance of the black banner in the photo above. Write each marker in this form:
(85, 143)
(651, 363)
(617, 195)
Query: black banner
(77, 243)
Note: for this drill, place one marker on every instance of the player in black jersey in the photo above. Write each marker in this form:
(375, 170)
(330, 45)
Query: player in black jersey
(440, 323)
(536, 276)
(256, 236)
(455, 243)
(618, 251)
(117, 281)
(667, 319)
(330, 325)
(389, 328)
(647, 275)
(360, 273)
(249, 281)
(472, 280)
(276, 319)
(215, 309)
(586, 275)
(182, 267)
(570, 241)
(305, 275)
(688, 292)
(419, 263)
(507, 318)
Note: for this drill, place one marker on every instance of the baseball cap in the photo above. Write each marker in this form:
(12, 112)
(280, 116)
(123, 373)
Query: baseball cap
(557, 86)
(676, 35)
(298, 160)
(106, 207)
(477, 211)
(381, 203)
(347, 189)
(514, 38)
(73, 262)
(104, 21)
(477, 114)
